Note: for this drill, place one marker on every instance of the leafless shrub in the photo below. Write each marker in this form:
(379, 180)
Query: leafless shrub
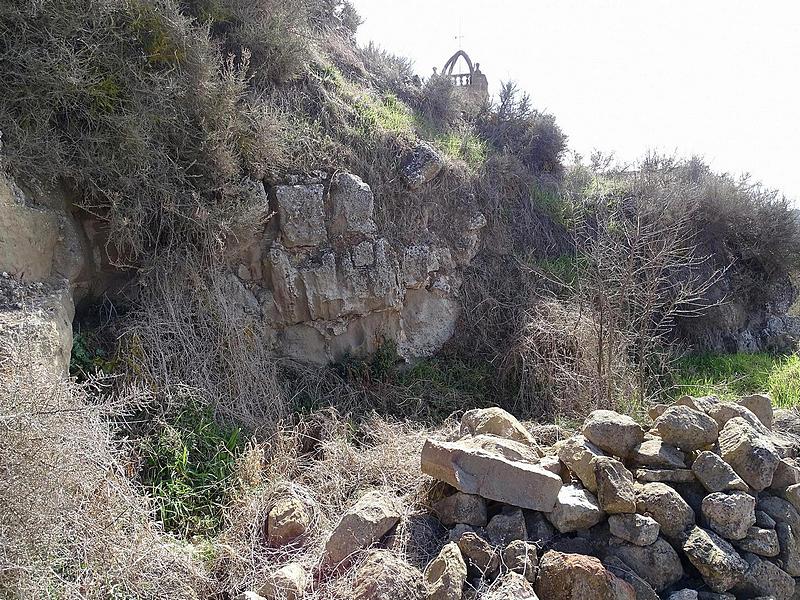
(512, 125)
(276, 33)
(388, 72)
(555, 365)
(143, 118)
(71, 523)
(439, 103)
(636, 271)
(198, 330)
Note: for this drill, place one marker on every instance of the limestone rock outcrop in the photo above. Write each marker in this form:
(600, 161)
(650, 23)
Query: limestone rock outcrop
(328, 283)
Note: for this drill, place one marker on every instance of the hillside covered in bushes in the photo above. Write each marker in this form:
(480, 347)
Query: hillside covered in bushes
(247, 260)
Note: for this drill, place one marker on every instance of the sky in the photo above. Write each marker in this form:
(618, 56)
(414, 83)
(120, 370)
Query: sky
(715, 78)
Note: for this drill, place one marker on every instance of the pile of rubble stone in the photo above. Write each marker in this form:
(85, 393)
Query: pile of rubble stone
(704, 505)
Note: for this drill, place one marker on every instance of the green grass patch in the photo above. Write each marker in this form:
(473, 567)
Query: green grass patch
(561, 269)
(463, 145)
(552, 204)
(730, 376)
(188, 465)
(386, 113)
(428, 390)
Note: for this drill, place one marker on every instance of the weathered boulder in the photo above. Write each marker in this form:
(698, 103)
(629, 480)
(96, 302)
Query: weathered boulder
(657, 410)
(764, 520)
(644, 591)
(577, 453)
(421, 165)
(461, 508)
(386, 576)
(751, 455)
(456, 532)
(479, 554)
(287, 521)
(445, 575)
(656, 454)
(789, 555)
(717, 561)
(792, 494)
(725, 411)
(495, 470)
(685, 594)
(764, 578)
(667, 507)
(539, 529)
(612, 432)
(554, 465)
(715, 474)
(351, 206)
(287, 583)
(779, 510)
(658, 563)
(496, 421)
(364, 523)
(704, 404)
(614, 485)
(761, 406)
(730, 514)
(511, 586)
(787, 473)
(522, 557)
(578, 577)
(685, 428)
(763, 542)
(575, 509)
(301, 214)
(507, 526)
(634, 528)
(664, 475)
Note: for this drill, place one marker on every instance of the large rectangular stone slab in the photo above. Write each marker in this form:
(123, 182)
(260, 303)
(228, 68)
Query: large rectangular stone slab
(494, 468)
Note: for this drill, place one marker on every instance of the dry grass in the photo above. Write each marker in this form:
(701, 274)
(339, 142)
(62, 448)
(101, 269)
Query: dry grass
(72, 525)
(555, 363)
(321, 463)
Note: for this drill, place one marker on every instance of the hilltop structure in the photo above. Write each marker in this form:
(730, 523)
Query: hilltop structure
(473, 83)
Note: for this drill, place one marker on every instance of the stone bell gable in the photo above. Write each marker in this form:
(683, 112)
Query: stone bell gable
(471, 83)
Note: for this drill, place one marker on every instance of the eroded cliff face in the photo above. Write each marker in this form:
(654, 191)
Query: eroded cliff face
(751, 311)
(321, 279)
(42, 240)
(329, 284)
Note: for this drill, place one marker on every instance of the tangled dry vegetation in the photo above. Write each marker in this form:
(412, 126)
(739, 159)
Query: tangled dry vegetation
(73, 524)
(157, 123)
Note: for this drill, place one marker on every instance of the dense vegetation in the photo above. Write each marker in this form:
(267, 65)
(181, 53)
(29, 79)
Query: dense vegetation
(156, 115)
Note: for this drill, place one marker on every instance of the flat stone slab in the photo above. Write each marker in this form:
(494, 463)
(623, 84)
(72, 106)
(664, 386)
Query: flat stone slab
(493, 468)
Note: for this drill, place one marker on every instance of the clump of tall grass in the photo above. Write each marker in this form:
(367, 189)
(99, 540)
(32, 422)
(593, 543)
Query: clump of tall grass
(731, 376)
